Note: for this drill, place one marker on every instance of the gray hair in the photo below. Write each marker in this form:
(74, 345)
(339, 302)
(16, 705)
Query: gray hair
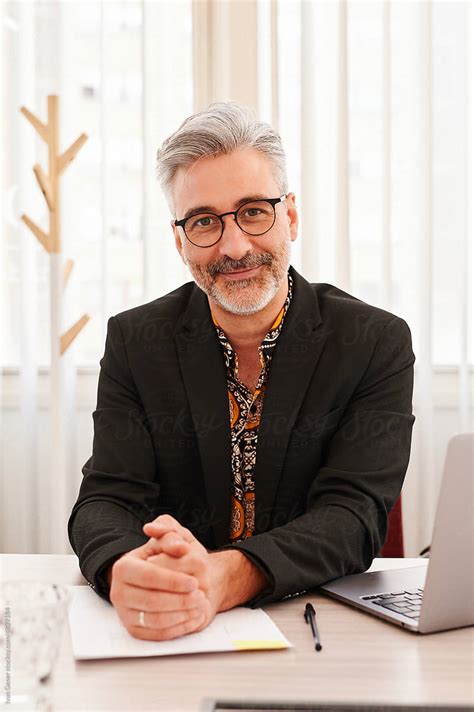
(220, 128)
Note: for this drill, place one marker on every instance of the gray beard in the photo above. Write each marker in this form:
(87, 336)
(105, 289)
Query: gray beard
(228, 299)
(230, 302)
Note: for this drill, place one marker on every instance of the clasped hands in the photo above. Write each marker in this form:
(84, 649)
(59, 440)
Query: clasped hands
(172, 578)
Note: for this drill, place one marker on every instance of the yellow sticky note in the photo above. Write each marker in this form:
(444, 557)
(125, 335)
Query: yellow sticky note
(259, 644)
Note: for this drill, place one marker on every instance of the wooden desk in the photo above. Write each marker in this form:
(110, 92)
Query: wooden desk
(363, 660)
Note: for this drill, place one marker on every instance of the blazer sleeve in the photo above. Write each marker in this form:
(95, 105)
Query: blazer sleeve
(346, 519)
(119, 490)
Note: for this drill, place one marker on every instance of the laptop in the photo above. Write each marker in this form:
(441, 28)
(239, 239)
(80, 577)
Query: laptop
(438, 595)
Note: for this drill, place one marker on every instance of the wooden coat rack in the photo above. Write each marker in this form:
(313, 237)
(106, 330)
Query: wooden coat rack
(56, 486)
(49, 185)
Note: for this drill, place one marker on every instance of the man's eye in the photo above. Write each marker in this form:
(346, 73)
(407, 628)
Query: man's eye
(205, 221)
(252, 212)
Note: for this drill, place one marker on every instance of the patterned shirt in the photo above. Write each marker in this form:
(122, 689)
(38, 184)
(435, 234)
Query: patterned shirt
(245, 409)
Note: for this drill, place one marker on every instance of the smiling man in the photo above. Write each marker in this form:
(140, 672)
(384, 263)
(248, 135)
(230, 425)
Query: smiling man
(252, 430)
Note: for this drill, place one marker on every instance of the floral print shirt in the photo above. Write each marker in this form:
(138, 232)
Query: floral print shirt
(245, 410)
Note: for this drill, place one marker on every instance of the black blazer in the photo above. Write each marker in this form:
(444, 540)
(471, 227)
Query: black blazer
(333, 444)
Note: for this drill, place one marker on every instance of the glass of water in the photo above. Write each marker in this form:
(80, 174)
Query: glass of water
(31, 619)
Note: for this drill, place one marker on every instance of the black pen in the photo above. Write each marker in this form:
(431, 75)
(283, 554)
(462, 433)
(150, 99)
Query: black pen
(310, 617)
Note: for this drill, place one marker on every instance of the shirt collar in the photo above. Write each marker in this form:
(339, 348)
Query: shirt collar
(269, 341)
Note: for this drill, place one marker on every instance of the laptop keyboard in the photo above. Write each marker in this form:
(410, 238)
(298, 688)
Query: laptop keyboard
(407, 603)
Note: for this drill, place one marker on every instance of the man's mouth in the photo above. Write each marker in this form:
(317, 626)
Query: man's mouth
(241, 274)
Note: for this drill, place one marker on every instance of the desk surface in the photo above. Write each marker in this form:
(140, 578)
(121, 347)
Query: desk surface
(364, 659)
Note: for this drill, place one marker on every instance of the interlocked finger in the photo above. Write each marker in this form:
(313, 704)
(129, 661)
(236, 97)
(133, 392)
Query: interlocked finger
(149, 601)
(161, 620)
(171, 542)
(190, 563)
(165, 523)
(140, 573)
(191, 625)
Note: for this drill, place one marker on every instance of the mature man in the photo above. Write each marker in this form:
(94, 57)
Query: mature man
(252, 430)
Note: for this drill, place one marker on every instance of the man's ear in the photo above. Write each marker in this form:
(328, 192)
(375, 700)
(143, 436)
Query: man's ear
(292, 216)
(177, 240)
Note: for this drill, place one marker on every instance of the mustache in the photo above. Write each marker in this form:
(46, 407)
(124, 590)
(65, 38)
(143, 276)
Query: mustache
(247, 262)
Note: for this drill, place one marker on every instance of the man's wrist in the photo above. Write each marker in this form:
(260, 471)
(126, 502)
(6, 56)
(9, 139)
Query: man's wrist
(108, 569)
(235, 578)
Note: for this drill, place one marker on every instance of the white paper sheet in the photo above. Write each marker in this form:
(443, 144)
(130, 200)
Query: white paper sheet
(97, 632)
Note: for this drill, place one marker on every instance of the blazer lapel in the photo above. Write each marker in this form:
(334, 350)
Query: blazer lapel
(295, 356)
(203, 371)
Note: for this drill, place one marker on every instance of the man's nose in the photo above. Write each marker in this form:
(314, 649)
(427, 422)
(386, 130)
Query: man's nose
(234, 242)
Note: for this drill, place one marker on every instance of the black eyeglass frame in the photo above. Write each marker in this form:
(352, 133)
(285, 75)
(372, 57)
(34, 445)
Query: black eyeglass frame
(272, 201)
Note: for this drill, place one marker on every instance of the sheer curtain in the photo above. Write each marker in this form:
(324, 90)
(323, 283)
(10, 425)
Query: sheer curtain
(374, 103)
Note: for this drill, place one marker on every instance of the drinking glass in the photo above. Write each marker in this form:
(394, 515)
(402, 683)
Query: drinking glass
(31, 619)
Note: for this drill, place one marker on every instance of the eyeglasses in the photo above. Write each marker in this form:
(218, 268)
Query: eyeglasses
(256, 217)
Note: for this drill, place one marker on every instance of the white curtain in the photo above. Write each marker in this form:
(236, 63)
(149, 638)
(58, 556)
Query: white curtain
(374, 104)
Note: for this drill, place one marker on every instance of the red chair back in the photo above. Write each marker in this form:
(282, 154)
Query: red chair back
(393, 547)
